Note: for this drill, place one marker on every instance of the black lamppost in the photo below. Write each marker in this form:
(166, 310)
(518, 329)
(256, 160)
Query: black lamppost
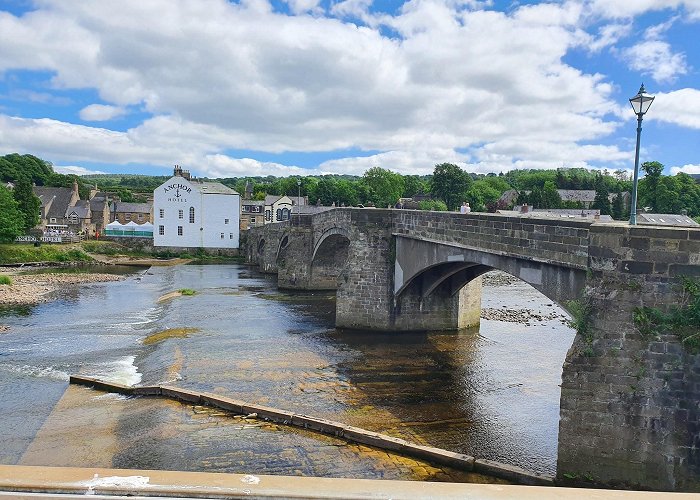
(640, 104)
(298, 200)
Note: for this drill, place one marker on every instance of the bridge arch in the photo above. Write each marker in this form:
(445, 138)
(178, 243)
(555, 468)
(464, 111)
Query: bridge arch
(425, 267)
(329, 257)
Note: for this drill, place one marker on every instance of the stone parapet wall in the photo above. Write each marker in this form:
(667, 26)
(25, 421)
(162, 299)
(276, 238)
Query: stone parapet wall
(630, 402)
(563, 241)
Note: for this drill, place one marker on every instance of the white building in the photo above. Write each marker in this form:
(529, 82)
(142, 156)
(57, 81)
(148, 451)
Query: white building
(193, 214)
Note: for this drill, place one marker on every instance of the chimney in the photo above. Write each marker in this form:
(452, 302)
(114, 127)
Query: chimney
(524, 208)
(684, 212)
(75, 186)
(186, 174)
(177, 171)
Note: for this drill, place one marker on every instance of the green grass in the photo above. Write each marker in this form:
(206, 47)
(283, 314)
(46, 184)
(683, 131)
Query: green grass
(5, 280)
(186, 291)
(18, 254)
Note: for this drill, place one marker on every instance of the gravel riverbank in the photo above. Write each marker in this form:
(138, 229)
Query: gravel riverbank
(30, 289)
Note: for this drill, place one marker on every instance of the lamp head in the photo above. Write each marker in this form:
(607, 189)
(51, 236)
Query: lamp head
(641, 102)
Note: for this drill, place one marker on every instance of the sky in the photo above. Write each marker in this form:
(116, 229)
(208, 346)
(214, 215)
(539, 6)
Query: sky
(306, 87)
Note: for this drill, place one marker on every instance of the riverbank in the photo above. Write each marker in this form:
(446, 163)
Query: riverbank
(32, 289)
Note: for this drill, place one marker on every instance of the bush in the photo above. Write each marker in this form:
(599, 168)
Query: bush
(186, 291)
(5, 280)
(434, 205)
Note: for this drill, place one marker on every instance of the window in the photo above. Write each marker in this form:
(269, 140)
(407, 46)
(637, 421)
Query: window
(268, 215)
(128, 216)
(191, 215)
(180, 214)
(72, 218)
(140, 216)
(278, 214)
(222, 236)
(161, 213)
(52, 220)
(252, 220)
(230, 236)
(286, 214)
(225, 221)
(161, 230)
(179, 230)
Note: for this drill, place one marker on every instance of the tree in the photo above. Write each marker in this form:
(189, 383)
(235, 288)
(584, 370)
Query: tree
(450, 183)
(648, 186)
(385, 186)
(27, 203)
(602, 199)
(618, 211)
(11, 219)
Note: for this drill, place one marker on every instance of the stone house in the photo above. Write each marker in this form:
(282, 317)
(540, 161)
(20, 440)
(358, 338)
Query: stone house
(139, 213)
(252, 214)
(56, 203)
(278, 208)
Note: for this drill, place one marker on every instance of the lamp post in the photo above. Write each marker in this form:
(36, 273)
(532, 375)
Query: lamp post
(298, 201)
(640, 104)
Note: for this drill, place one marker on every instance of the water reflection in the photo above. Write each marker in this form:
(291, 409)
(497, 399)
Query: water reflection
(467, 391)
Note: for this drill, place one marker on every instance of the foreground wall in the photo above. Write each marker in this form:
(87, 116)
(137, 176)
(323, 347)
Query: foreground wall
(630, 411)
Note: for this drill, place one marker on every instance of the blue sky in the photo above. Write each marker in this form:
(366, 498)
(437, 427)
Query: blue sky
(297, 87)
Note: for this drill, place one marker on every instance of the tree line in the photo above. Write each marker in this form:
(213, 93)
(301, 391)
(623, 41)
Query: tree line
(446, 189)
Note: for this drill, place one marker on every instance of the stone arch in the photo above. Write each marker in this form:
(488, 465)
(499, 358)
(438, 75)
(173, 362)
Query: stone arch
(329, 258)
(282, 246)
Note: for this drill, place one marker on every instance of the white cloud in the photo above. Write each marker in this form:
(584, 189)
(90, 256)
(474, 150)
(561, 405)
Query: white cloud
(686, 169)
(219, 76)
(618, 9)
(680, 107)
(75, 170)
(100, 112)
(655, 58)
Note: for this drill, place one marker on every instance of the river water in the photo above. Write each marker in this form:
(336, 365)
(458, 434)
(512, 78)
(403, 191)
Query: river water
(492, 392)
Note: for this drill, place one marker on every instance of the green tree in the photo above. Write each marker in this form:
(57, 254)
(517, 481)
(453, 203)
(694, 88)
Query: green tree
(450, 183)
(385, 187)
(648, 187)
(27, 202)
(618, 210)
(11, 218)
(602, 196)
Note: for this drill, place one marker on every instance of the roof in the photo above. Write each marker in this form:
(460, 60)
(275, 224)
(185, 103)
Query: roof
(213, 188)
(81, 209)
(665, 219)
(583, 195)
(57, 198)
(142, 208)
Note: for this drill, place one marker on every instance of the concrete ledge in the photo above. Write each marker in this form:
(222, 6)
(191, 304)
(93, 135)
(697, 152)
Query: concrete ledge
(48, 482)
(354, 434)
(511, 473)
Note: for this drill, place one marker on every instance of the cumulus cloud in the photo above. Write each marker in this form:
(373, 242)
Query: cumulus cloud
(680, 107)
(100, 112)
(617, 9)
(75, 170)
(457, 83)
(686, 169)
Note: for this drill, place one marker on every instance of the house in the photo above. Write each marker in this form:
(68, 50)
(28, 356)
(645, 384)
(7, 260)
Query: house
(79, 218)
(189, 213)
(99, 207)
(252, 214)
(278, 208)
(586, 197)
(124, 213)
(56, 203)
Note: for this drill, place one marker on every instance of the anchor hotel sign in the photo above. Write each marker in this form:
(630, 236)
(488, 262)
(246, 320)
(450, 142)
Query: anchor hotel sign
(177, 192)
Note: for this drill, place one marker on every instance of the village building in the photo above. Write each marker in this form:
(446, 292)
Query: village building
(56, 206)
(189, 213)
(123, 212)
(278, 208)
(252, 214)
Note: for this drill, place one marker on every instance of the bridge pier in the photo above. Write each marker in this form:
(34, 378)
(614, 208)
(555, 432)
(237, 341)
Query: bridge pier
(630, 401)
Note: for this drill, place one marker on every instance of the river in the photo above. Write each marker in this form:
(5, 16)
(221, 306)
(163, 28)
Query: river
(492, 392)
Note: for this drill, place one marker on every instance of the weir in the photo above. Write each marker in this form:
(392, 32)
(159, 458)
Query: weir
(324, 426)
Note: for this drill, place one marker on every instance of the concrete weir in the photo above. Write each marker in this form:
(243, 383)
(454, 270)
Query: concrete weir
(340, 430)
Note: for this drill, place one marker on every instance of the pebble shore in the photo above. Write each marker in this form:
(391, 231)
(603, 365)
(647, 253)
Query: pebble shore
(31, 289)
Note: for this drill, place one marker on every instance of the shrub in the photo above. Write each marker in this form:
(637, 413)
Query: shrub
(5, 280)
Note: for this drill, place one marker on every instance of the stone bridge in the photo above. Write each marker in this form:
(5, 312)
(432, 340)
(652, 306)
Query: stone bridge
(630, 401)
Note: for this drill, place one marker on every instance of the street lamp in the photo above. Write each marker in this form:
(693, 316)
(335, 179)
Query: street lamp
(298, 200)
(640, 104)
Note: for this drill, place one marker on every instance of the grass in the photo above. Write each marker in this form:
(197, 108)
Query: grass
(186, 291)
(18, 254)
(5, 280)
(170, 333)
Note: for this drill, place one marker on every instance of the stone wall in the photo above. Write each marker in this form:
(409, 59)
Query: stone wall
(630, 411)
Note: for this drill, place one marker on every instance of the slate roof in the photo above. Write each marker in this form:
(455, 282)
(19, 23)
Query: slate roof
(58, 197)
(665, 220)
(213, 188)
(81, 209)
(124, 208)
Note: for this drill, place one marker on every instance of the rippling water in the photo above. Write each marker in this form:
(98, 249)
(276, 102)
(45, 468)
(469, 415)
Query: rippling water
(492, 393)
